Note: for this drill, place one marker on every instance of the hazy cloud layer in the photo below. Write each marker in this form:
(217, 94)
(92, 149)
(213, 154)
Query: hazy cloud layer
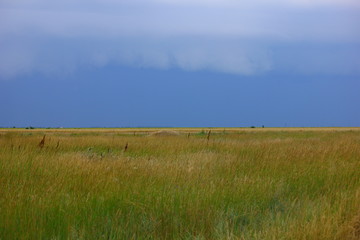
(238, 37)
(243, 3)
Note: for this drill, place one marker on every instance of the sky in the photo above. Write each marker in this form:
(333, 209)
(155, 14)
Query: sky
(172, 63)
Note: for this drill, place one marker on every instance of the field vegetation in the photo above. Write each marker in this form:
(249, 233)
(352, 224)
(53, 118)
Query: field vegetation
(259, 183)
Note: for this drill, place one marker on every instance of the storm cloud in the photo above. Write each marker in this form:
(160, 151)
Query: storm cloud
(235, 37)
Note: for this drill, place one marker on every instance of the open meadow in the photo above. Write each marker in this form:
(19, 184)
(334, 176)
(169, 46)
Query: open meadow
(234, 183)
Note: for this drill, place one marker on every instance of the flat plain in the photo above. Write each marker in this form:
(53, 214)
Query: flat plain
(234, 183)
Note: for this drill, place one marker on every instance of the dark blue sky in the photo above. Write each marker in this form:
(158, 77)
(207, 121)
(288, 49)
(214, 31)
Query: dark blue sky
(172, 63)
(131, 97)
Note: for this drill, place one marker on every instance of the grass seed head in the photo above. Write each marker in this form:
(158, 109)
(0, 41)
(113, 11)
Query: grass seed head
(126, 147)
(42, 142)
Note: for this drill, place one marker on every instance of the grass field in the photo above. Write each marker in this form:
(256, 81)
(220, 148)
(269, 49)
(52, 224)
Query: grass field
(292, 183)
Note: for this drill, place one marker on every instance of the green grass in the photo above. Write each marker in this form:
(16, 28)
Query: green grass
(260, 184)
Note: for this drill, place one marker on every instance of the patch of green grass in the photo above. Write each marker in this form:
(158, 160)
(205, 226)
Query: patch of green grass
(238, 185)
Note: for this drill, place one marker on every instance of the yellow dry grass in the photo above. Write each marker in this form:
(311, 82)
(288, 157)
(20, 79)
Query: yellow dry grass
(241, 184)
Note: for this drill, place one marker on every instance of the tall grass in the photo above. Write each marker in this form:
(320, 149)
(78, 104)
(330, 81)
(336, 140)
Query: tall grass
(236, 185)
